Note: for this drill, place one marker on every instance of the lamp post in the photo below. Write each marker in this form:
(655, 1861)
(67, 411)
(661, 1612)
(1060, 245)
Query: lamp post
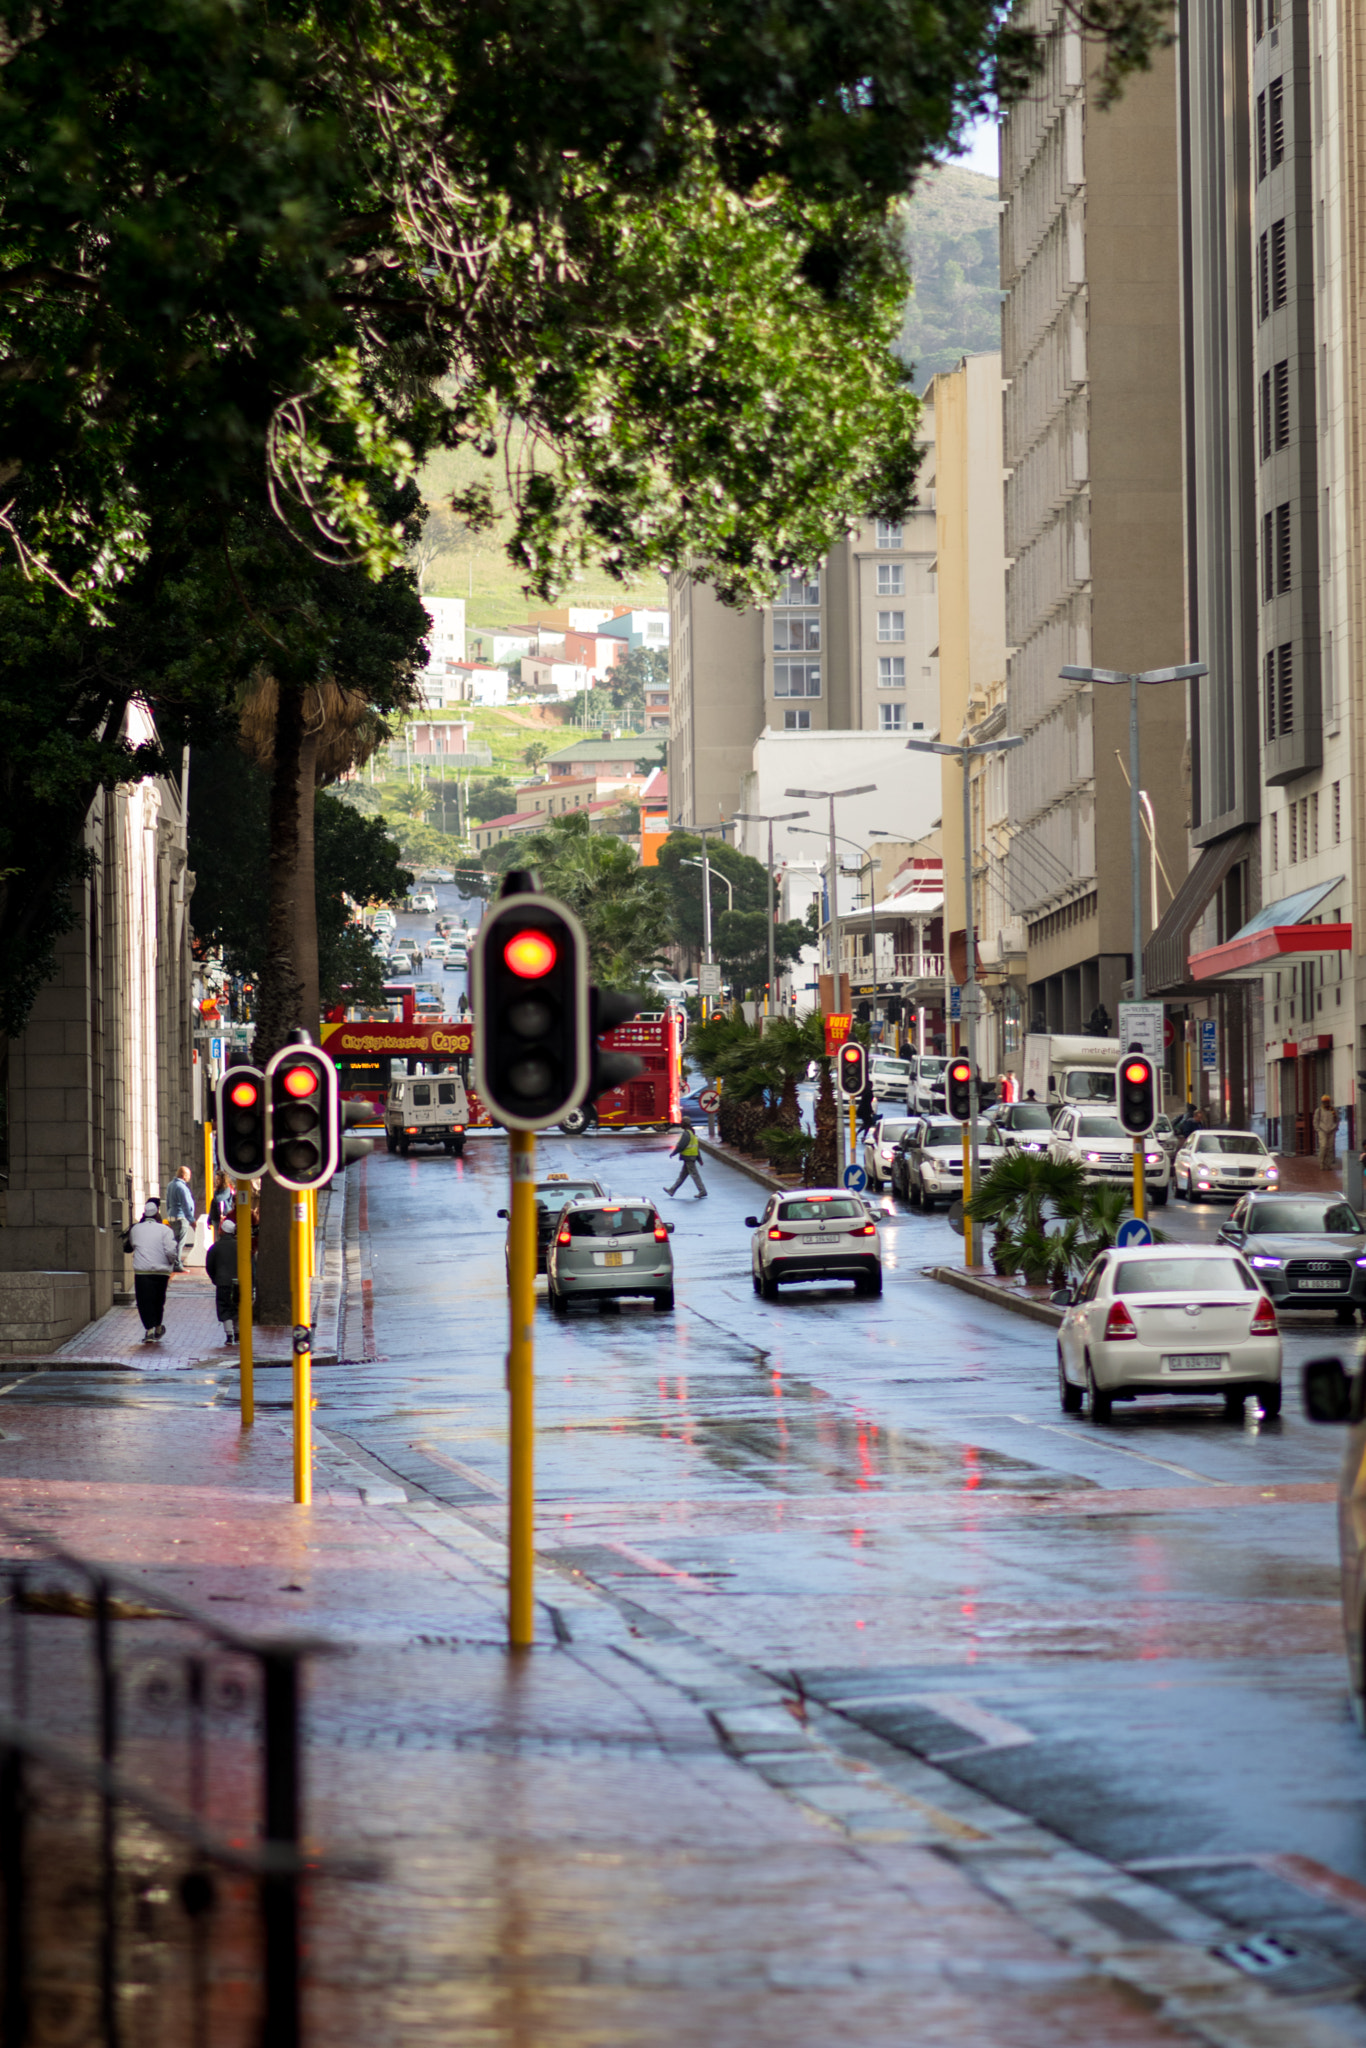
(832, 797)
(1187, 672)
(776, 818)
(702, 832)
(966, 752)
(875, 832)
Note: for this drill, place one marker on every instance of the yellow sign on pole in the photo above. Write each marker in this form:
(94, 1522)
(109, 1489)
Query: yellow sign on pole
(521, 1389)
(245, 1311)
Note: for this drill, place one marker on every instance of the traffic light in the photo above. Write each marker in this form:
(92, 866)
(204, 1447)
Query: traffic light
(533, 1048)
(958, 1090)
(242, 1122)
(302, 1123)
(353, 1148)
(1136, 1093)
(851, 1064)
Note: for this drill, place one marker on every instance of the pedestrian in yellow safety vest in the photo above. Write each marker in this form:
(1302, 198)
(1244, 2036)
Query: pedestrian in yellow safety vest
(689, 1151)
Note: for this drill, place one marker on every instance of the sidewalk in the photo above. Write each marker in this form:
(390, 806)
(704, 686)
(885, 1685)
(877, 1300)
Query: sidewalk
(619, 1838)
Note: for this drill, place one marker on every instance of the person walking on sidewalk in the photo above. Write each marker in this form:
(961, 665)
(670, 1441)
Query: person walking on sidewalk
(156, 1255)
(1326, 1132)
(180, 1205)
(688, 1150)
(220, 1264)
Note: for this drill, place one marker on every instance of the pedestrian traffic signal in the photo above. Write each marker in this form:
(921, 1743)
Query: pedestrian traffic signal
(1136, 1093)
(958, 1090)
(532, 1044)
(241, 1121)
(302, 1124)
(851, 1065)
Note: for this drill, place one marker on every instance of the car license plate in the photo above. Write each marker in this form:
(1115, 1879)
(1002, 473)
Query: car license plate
(1196, 1361)
(613, 1258)
(1324, 1286)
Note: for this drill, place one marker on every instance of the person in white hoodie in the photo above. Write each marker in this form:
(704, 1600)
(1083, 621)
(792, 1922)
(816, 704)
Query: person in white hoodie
(156, 1255)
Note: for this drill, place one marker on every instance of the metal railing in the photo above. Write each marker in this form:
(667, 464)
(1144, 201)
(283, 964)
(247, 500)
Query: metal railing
(151, 1824)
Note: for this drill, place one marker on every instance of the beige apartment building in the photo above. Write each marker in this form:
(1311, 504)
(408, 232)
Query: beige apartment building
(1091, 336)
(847, 646)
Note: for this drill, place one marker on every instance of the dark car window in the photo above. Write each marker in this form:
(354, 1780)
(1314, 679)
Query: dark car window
(1028, 1116)
(1287, 1217)
(952, 1134)
(445, 1091)
(1087, 1290)
(1100, 1127)
(422, 1097)
(1182, 1276)
(627, 1221)
(820, 1212)
(1228, 1141)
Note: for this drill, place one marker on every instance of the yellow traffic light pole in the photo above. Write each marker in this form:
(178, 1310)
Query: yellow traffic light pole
(521, 1389)
(967, 1195)
(245, 1311)
(1140, 1184)
(303, 1354)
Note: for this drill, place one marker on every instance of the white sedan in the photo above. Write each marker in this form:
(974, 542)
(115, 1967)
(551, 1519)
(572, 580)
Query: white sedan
(1098, 1141)
(880, 1146)
(814, 1234)
(1222, 1163)
(1165, 1319)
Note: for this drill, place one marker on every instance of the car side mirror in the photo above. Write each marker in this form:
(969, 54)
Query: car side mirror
(1061, 1297)
(1327, 1390)
(504, 1214)
(1232, 1233)
(751, 1223)
(671, 1227)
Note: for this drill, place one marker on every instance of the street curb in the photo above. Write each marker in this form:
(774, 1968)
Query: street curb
(1020, 1305)
(329, 1283)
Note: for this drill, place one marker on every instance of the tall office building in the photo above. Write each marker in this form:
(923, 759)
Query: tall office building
(1090, 346)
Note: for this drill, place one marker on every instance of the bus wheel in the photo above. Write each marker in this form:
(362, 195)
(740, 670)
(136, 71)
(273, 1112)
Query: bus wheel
(575, 1122)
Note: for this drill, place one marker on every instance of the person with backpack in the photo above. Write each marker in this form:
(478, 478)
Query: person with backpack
(688, 1150)
(156, 1255)
(221, 1266)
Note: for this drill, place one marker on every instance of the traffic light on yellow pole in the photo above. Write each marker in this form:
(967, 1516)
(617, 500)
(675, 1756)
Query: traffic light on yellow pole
(242, 1155)
(302, 1153)
(958, 1102)
(1136, 1100)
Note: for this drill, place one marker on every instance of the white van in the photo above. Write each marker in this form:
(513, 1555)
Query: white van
(426, 1109)
(891, 1077)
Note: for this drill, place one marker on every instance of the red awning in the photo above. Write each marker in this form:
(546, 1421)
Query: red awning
(1262, 952)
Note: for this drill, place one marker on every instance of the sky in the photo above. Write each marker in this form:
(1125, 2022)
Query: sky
(982, 153)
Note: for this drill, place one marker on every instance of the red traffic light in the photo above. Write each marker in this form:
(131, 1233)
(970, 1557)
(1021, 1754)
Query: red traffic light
(530, 954)
(301, 1081)
(1136, 1071)
(960, 1071)
(244, 1094)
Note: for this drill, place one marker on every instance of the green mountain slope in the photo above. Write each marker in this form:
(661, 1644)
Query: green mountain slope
(952, 234)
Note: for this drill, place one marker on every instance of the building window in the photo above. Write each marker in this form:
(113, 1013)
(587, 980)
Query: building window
(797, 587)
(1268, 557)
(891, 717)
(889, 533)
(891, 671)
(796, 679)
(796, 721)
(1261, 136)
(1312, 824)
(1282, 549)
(891, 625)
(1280, 696)
(891, 579)
(1275, 127)
(1263, 280)
(1337, 814)
(796, 630)
(1275, 842)
(1278, 276)
(1280, 405)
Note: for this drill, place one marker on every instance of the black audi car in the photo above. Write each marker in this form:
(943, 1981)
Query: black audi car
(1308, 1251)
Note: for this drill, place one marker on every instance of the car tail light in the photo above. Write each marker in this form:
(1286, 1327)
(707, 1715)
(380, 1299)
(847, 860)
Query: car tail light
(661, 1234)
(864, 1230)
(782, 1236)
(562, 1237)
(1119, 1323)
(1264, 1322)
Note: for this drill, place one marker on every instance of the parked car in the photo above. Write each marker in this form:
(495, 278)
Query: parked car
(1222, 1163)
(1335, 1393)
(610, 1248)
(1098, 1141)
(670, 987)
(928, 1167)
(551, 1195)
(880, 1145)
(817, 1234)
(1025, 1126)
(422, 900)
(1167, 1319)
(1308, 1251)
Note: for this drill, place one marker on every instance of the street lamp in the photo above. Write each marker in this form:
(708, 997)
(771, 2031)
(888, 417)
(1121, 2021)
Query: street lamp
(724, 880)
(832, 796)
(702, 832)
(875, 832)
(965, 753)
(764, 818)
(1187, 672)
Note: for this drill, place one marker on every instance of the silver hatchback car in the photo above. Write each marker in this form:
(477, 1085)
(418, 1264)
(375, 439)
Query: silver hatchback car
(610, 1247)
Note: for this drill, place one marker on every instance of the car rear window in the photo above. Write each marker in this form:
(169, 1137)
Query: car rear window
(445, 1091)
(892, 1131)
(1317, 1219)
(422, 1097)
(627, 1221)
(1183, 1276)
(1029, 1116)
(820, 1212)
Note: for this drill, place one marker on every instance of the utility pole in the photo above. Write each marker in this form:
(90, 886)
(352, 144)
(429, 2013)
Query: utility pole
(776, 818)
(832, 797)
(703, 832)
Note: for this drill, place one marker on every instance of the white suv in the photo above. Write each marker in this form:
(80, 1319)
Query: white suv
(426, 1109)
(814, 1234)
(1104, 1149)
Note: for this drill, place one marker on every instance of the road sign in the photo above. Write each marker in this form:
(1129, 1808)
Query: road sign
(837, 1027)
(1133, 1230)
(709, 979)
(1141, 1025)
(855, 1178)
(710, 1099)
(1209, 1042)
(215, 1048)
(1168, 1033)
(955, 1002)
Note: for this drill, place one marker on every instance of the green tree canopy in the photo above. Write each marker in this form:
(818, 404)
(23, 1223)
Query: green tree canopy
(624, 906)
(641, 668)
